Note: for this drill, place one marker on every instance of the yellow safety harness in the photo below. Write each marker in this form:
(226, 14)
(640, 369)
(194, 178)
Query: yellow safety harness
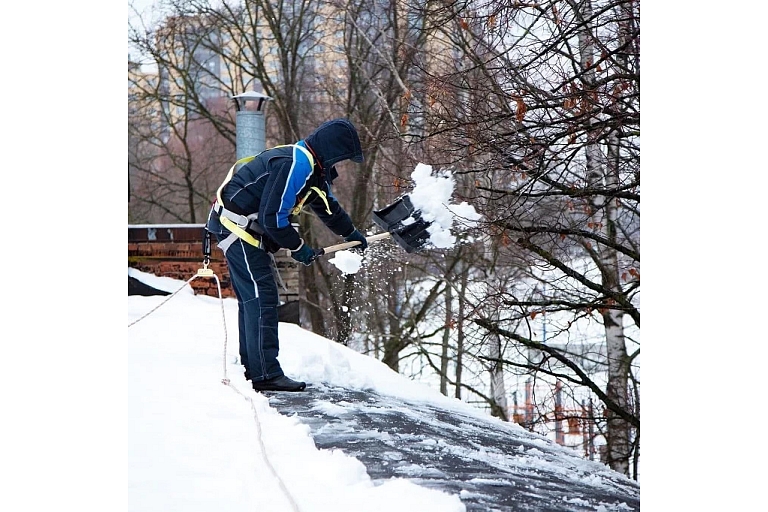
(225, 216)
(225, 221)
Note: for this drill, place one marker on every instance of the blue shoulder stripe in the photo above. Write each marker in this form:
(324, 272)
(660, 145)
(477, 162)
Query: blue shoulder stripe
(299, 174)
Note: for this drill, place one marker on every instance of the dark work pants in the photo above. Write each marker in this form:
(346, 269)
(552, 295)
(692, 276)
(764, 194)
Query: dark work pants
(250, 270)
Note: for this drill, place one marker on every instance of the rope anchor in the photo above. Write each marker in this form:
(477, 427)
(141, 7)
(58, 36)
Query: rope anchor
(205, 271)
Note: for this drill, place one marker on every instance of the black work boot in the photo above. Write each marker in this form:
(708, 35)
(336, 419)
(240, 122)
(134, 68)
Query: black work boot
(281, 383)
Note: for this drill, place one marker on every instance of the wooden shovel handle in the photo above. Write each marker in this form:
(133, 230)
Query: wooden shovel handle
(347, 245)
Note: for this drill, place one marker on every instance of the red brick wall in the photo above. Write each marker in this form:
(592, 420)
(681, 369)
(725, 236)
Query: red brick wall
(176, 251)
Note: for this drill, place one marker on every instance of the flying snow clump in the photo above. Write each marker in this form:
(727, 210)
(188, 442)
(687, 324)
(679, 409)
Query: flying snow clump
(347, 261)
(432, 197)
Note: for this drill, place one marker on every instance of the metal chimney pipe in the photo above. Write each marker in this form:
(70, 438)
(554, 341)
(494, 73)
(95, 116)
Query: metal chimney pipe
(250, 125)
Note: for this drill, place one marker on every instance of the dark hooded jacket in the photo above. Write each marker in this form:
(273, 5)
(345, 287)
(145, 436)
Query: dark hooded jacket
(335, 141)
(279, 179)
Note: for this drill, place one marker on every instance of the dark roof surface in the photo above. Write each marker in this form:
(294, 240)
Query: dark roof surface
(490, 465)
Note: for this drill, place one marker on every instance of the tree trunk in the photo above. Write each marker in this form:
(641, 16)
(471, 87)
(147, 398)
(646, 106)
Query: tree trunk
(618, 431)
(498, 390)
(601, 175)
(460, 335)
(344, 313)
(308, 280)
(446, 340)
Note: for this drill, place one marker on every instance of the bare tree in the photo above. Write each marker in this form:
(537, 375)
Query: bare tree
(175, 158)
(541, 109)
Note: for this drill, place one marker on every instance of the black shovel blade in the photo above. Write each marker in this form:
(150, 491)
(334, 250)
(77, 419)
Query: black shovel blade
(392, 216)
(411, 236)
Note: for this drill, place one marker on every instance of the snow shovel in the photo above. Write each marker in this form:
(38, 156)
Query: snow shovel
(401, 221)
(404, 222)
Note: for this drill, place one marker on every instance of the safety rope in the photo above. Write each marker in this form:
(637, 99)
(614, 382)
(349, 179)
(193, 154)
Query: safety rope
(169, 298)
(263, 448)
(207, 272)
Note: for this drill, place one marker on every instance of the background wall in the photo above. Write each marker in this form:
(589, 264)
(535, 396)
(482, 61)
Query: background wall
(176, 251)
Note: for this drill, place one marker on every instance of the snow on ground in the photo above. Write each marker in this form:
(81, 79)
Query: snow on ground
(196, 444)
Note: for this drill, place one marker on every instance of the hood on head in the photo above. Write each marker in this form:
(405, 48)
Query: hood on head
(335, 141)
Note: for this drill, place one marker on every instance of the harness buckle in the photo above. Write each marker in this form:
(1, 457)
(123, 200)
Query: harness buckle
(240, 221)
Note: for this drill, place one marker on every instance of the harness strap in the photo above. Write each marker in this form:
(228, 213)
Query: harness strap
(229, 219)
(238, 224)
(224, 244)
(241, 220)
(231, 172)
(234, 228)
(297, 209)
